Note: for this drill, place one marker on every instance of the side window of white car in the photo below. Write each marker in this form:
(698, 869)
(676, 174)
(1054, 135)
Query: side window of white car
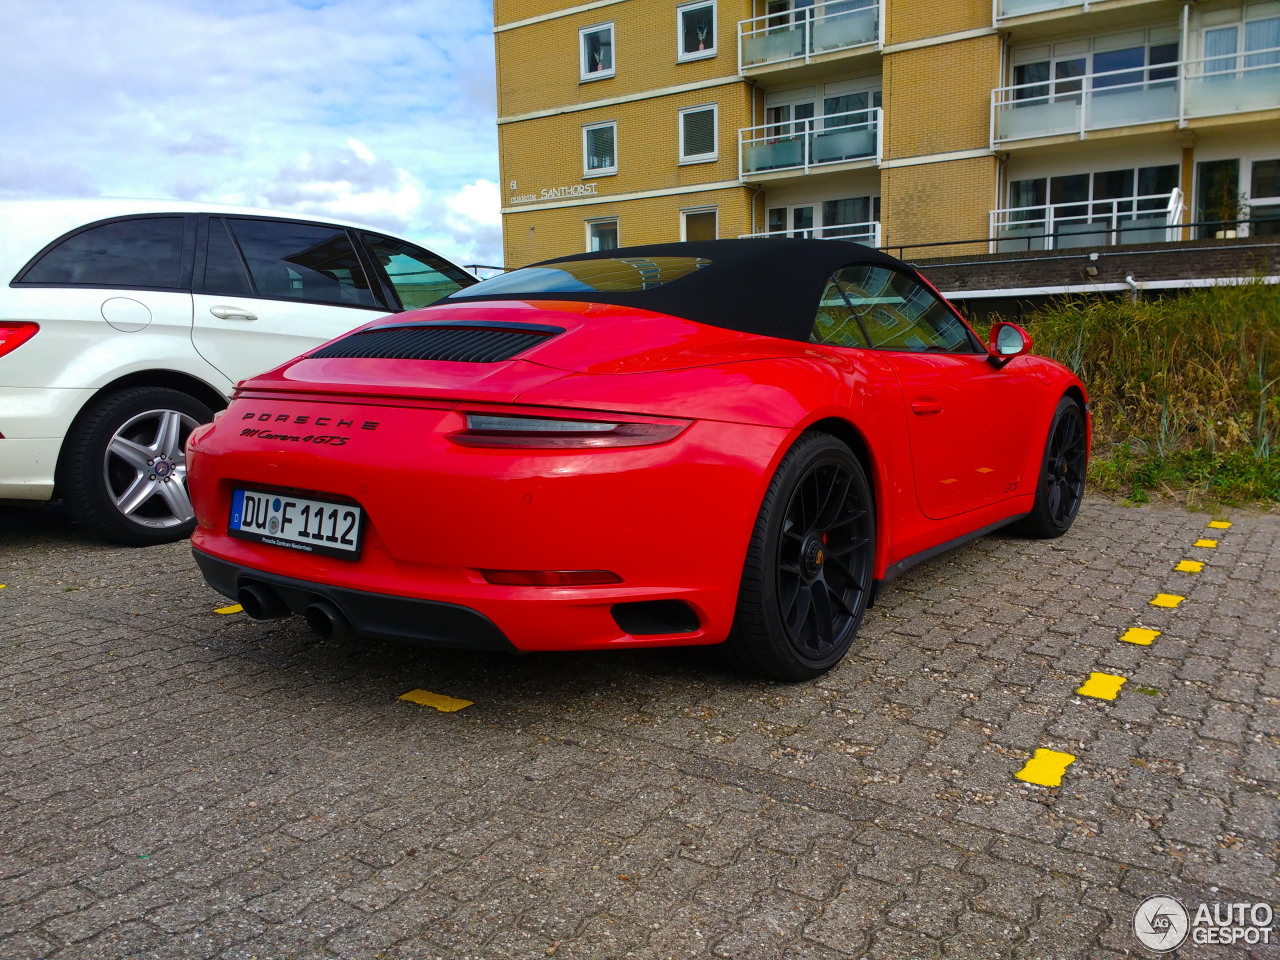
(140, 252)
(303, 261)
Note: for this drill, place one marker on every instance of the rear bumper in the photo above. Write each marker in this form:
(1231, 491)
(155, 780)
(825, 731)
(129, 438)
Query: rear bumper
(371, 614)
(33, 422)
(670, 521)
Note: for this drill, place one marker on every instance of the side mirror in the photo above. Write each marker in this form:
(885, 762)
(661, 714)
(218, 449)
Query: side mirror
(1007, 340)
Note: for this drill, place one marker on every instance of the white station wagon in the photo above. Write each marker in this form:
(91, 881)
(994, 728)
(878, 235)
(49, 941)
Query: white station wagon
(126, 323)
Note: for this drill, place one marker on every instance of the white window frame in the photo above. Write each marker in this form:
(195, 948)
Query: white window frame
(588, 224)
(602, 171)
(715, 134)
(681, 56)
(585, 75)
(713, 208)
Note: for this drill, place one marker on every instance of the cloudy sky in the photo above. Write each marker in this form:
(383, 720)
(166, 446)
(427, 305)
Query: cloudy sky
(381, 111)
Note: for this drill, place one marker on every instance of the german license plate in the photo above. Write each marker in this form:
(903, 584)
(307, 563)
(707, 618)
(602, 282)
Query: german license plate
(297, 523)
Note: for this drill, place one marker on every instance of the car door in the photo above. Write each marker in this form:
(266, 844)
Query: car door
(270, 289)
(968, 423)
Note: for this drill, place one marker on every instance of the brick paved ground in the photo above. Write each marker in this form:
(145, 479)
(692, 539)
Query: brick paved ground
(174, 783)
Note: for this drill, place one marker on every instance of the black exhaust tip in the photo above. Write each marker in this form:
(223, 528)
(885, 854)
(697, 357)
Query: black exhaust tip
(654, 617)
(326, 621)
(261, 602)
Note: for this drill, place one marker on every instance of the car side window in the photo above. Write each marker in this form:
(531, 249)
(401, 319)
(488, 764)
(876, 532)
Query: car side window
(303, 261)
(900, 313)
(224, 271)
(140, 252)
(835, 324)
(419, 277)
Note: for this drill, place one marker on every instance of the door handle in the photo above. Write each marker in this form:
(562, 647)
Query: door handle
(925, 406)
(224, 312)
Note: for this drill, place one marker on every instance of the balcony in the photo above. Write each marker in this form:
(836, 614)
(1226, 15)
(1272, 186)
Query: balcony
(1088, 223)
(813, 144)
(867, 233)
(1172, 92)
(1007, 9)
(798, 36)
(1236, 83)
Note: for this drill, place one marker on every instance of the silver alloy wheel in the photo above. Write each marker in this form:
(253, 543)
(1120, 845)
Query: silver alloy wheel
(145, 468)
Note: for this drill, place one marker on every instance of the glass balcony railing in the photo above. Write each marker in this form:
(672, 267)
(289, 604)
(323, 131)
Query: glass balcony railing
(1019, 8)
(1209, 86)
(1235, 83)
(1088, 223)
(868, 233)
(815, 142)
(799, 35)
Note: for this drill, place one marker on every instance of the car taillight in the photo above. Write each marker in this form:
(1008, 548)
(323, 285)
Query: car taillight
(491, 430)
(14, 335)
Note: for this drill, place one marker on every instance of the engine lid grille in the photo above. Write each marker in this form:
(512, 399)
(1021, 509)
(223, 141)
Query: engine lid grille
(477, 341)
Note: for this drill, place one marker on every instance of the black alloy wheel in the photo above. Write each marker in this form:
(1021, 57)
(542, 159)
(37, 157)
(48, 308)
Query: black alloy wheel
(1060, 486)
(807, 579)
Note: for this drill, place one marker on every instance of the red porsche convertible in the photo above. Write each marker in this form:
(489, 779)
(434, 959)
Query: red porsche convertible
(734, 442)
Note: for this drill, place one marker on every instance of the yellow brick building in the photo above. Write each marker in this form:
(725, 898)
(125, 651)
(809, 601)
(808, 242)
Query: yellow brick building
(1005, 125)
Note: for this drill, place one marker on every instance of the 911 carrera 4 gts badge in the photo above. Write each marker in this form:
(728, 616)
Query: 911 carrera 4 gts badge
(333, 423)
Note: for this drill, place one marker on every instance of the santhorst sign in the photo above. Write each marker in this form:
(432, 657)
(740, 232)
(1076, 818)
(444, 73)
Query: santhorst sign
(557, 193)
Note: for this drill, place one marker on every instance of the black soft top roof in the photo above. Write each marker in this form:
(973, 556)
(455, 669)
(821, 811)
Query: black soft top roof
(769, 287)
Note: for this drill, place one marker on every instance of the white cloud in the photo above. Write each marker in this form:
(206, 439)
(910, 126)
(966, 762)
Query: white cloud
(479, 202)
(374, 110)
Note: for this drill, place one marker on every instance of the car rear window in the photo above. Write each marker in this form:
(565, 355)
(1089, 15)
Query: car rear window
(145, 252)
(608, 275)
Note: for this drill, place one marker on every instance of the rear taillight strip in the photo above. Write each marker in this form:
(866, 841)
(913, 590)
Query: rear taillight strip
(561, 433)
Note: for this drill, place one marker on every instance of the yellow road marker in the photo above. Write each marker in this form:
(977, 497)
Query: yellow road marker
(1140, 636)
(1189, 566)
(1101, 686)
(1210, 544)
(1220, 524)
(2, 586)
(1046, 768)
(1167, 600)
(438, 700)
(234, 608)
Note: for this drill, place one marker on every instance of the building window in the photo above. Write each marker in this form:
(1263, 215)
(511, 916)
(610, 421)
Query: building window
(1047, 73)
(595, 51)
(698, 134)
(1264, 199)
(699, 224)
(602, 235)
(600, 149)
(696, 26)
(1086, 209)
(1253, 43)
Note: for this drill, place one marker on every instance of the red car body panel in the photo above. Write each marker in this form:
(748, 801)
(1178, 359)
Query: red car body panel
(672, 521)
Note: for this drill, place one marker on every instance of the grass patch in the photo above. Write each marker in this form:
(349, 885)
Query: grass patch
(1184, 389)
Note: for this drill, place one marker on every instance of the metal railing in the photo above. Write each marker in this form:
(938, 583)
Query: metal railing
(868, 233)
(1155, 218)
(813, 142)
(1230, 83)
(1199, 87)
(806, 32)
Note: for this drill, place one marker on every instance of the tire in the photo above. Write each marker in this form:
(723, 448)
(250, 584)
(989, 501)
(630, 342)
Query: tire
(124, 470)
(807, 576)
(1060, 485)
